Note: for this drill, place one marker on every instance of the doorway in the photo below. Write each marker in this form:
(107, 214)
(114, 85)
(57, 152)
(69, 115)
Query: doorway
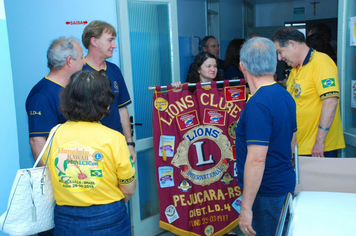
(148, 35)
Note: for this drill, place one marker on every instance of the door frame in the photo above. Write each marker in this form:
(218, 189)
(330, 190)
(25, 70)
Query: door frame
(149, 226)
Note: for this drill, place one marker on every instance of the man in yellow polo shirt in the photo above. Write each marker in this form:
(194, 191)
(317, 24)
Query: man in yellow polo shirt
(313, 83)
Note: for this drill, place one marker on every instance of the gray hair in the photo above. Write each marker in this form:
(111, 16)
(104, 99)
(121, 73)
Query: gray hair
(258, 55)
(59, 50)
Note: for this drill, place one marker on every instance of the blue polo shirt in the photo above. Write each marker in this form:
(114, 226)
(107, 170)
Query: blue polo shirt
(269, 119)
(42, 107)
(122, 97)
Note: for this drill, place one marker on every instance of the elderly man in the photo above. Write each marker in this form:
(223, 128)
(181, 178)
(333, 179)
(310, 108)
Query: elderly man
(313, 83)
(264, 134)
(99, 38)
(65, 57)
(211, 45)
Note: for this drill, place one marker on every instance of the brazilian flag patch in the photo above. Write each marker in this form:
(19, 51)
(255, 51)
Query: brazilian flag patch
(96, 173)
(328, 82)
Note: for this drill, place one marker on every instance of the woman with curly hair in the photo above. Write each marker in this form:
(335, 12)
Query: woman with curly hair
(204, 69)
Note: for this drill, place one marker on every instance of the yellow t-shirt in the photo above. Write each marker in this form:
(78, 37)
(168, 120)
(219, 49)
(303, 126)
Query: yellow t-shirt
(87, 162)
(315, 80)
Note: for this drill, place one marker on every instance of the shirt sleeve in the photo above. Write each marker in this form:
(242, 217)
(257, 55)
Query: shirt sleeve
(326, 81)
(125, 170)
(258, 125)
(124, 96)
(42, 116)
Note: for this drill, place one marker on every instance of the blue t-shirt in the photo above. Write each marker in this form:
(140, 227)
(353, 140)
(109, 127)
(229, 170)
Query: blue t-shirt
(42, 107)
(122, 97)
(269, 119)
(232, 73)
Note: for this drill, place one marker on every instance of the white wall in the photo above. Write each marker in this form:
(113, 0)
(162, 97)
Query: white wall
(192, 22)
(231, 19)
(273, 14)
(8, 135)
(32, 25)
(191, 18)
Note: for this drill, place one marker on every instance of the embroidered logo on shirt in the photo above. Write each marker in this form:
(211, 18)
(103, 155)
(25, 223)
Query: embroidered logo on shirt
(116, 86)
(328, 82)
(297, 90)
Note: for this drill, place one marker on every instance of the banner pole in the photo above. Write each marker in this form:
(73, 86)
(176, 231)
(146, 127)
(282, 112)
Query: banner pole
(194, 84)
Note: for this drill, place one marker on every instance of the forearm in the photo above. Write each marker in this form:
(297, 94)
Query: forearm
(125, 122)
(252, 182)
(128, 190)
(37, 143)
(254, 168)
(326, 117)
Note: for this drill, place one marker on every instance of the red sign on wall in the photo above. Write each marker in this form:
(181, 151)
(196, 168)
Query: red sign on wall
(77, 22)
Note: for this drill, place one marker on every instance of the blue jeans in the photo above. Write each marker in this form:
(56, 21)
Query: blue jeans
(96, 220)
(266, 213)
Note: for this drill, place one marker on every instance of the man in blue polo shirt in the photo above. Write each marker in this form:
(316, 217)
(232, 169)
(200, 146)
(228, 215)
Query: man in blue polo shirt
(65, 57)
(99, 38)
(264, 135)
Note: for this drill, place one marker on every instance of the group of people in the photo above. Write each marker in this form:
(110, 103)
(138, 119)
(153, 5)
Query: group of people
(88, 94)
(228, 69)
(92, 153)
(275, 119)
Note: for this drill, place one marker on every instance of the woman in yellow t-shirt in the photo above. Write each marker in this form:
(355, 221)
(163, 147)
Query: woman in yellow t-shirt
(91, 169)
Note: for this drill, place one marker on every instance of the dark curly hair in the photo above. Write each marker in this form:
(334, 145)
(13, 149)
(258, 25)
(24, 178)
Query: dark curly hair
(194, 76)
(87, 96)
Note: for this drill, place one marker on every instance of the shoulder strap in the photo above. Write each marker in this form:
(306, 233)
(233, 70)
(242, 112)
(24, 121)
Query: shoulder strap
(49, 140)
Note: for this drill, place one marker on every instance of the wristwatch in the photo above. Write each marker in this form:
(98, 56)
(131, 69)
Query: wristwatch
(131, 144)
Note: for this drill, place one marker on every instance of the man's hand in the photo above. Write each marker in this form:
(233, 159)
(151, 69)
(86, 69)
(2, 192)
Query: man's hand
(318, 149)
(132, 153)
(245, 222)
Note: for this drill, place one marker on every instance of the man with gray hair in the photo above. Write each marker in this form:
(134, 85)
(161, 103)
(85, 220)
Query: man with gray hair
(264, 135)
(65, 57)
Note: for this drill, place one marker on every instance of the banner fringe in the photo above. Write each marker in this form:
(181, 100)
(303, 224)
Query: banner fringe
(179, 231)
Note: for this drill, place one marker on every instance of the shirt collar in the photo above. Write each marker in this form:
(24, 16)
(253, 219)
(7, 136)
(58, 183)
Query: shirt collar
(308, 57)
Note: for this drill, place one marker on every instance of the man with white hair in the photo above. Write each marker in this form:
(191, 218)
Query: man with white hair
(64, 58)
(264, 135)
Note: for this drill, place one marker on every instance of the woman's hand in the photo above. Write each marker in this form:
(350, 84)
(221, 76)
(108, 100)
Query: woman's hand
(177, 86)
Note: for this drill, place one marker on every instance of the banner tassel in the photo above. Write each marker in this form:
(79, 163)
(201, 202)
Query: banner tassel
(164, 155)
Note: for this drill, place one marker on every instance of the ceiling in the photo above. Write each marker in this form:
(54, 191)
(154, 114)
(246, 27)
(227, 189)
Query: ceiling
(269, 1)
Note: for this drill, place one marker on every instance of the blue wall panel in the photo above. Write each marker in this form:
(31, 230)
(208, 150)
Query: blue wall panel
(8, 135)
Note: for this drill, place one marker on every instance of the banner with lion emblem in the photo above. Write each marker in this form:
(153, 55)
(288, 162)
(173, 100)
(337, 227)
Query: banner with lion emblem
(193, 134)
